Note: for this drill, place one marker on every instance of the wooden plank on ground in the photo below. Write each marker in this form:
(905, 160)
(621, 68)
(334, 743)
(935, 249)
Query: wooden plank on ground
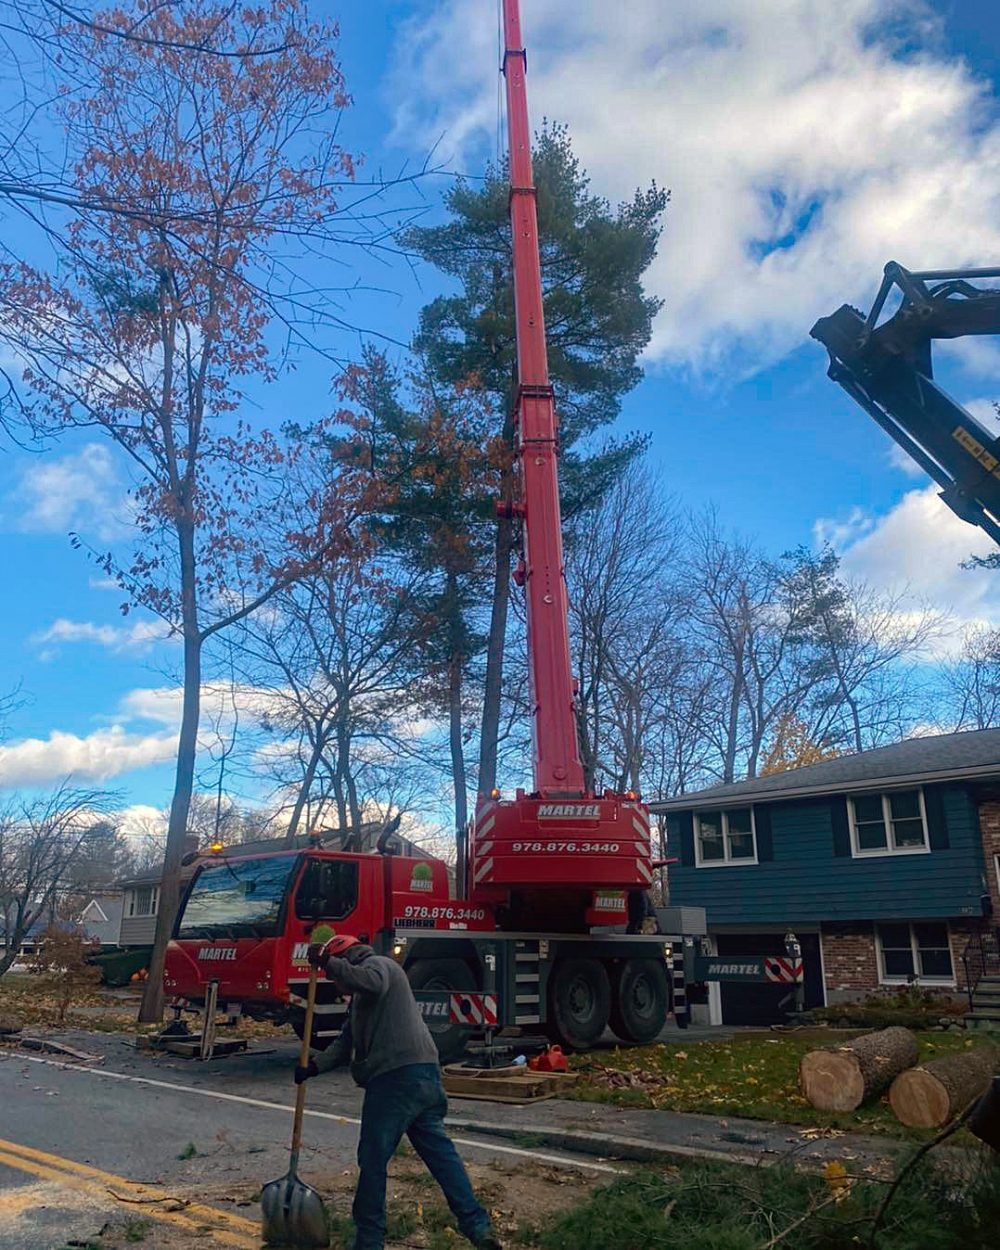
(513, 1084)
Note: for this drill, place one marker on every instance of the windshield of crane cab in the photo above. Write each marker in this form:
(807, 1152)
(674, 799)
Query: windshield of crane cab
(237, 898)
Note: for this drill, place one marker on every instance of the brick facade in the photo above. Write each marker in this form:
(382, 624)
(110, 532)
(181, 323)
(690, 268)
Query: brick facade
(849, 960)
(989, 825)
(961, 931)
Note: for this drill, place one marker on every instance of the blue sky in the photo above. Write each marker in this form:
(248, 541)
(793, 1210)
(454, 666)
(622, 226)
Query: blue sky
(804, 144)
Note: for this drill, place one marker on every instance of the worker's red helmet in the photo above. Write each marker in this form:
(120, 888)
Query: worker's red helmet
(339, 944)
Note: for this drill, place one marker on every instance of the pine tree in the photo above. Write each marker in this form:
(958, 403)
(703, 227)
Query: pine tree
(598, 321)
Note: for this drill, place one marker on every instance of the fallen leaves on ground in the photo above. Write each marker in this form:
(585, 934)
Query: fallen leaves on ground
(752, 1076)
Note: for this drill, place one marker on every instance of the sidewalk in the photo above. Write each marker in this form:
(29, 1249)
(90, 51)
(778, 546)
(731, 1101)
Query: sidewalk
(594, 1129)
(661, 1136)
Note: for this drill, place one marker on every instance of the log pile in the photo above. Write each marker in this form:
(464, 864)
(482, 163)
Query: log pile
(932, 1094)
(842, 1077)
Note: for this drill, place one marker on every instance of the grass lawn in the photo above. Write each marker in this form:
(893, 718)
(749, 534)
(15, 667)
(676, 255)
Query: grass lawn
(754, 1076)
(724, 1207)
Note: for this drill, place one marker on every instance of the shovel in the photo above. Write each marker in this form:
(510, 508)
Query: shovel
(293, 1212)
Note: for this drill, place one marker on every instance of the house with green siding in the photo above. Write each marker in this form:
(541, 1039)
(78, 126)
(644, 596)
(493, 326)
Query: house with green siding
(884, 864)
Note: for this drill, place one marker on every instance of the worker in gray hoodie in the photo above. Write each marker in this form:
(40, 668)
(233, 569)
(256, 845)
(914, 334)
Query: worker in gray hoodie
(393, 1057)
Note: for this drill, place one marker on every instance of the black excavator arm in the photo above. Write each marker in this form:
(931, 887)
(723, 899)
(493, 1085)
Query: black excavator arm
(887, 369)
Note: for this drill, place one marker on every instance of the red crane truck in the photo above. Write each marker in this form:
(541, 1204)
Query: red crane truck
(547, 871)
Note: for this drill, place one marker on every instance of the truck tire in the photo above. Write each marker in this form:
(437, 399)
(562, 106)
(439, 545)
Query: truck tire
(443, 974)
(329, 1025)
(580, 999)
(298, 1023)
(640, 1001)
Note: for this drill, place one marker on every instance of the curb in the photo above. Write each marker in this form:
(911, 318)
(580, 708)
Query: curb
(605, 1145)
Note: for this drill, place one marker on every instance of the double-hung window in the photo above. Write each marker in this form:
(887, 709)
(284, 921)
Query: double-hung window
(888, 824)
(915, 952)
(143, 901)
(725, 837)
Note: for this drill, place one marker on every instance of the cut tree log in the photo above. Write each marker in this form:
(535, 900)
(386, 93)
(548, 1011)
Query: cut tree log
(932, 1094)
(842, 1077)
(984, 1122)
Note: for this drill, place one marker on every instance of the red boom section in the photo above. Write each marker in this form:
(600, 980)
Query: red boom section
(558, 772)
(560, 836)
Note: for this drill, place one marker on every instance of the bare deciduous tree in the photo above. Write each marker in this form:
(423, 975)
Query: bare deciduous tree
(40, 841)
(972, 681)
(336, 655)
(858, 642)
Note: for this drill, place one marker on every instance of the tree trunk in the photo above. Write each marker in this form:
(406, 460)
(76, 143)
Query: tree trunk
(13, 937)
(489, 731)
(984, 1122)
(841, 1078)
(457, 747)
(490, 725)
(931, 1095)
(304, 789)
(151, 1009)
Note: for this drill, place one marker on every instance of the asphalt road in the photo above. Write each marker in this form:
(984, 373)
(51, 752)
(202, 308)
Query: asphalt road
(79, 1145)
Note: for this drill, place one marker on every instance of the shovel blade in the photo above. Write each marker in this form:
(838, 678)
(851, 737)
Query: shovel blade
(293, 1214)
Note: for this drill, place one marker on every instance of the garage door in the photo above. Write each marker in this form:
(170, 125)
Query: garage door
(761, 1004)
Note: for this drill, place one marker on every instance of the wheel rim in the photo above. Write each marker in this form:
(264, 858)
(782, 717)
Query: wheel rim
(437, 984)
(581, 999)
(642, 999)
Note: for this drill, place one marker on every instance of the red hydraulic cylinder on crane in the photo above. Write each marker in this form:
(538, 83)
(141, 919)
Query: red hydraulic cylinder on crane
(560, 836)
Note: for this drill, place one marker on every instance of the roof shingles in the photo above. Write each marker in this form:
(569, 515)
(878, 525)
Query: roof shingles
(970, 753)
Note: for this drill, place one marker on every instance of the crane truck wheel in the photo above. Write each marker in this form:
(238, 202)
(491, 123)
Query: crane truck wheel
(443, 974)
(640, 1001)
(317, 1041)
(580, 1002)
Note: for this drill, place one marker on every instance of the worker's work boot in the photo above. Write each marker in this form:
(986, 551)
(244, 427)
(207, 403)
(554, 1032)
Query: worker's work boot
(489, 1242)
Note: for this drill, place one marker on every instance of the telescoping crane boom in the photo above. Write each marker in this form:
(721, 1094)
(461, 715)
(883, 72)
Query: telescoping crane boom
(559, 836)
(888, 370)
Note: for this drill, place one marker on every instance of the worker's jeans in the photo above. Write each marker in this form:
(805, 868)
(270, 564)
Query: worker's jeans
(409, 1100)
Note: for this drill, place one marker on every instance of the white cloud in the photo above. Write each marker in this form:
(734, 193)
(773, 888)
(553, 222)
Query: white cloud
(903, 463)
(804, 146)
(840, 533)
(985, 412)
(917, 549)
(81, 491)
(142, 731)
(162, 704)
(99, 756)
(140, 819)
(139, 634)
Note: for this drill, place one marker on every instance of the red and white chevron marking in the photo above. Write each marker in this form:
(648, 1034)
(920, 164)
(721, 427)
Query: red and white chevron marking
(785, 970)
(478, 1009)
(484, 862)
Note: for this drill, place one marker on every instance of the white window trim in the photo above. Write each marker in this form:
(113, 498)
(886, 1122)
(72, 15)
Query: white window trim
(996, 869)
(725, 862)
(878, 853)
(884, 979)
(133, 902)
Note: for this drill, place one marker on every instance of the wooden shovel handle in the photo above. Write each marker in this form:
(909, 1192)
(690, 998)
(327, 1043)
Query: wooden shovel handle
(300, 1090)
